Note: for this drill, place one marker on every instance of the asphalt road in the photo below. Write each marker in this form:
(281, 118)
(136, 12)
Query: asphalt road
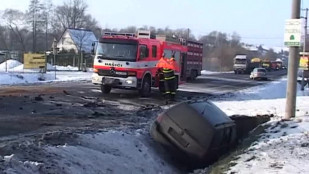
(80, 106)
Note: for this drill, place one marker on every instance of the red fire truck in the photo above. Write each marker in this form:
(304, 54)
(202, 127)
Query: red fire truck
(128, 61)
(194, 59)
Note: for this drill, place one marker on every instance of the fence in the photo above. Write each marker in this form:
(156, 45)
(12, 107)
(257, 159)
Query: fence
(64, 62)
(71, 59)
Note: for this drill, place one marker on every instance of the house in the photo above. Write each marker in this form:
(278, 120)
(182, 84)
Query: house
(76, 39)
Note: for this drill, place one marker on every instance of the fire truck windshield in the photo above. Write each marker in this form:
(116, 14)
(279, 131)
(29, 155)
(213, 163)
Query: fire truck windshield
(117, 51)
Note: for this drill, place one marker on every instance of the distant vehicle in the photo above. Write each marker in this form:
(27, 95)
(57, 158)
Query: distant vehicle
(258, 73)
(266, 64)
(243, 64)
(199, 129)
(276, 65)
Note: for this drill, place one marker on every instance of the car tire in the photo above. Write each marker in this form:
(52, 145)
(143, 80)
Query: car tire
(145, 90)
(106, 89)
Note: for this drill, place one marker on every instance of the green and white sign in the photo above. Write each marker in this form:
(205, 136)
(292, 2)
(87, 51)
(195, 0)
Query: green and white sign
(293, 32)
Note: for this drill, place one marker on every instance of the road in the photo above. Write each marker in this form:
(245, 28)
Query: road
(80, 106)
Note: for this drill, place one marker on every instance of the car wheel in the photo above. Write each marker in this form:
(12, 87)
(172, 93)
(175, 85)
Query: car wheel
(106, 89)
(145, 90)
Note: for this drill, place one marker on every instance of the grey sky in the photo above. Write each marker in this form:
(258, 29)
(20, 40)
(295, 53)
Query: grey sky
(257, 21)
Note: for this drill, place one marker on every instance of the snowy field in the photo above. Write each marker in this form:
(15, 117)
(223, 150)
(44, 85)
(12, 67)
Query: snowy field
(13, 72)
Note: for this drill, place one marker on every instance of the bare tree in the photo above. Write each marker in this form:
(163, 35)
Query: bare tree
(15, 21)
(81, 39)
(35, 14)
(72, 14)
(47, 13)
(3, 38)
(271, 55)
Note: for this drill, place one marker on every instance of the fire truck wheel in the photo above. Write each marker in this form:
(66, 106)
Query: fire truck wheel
(146, 88)
(106, 89)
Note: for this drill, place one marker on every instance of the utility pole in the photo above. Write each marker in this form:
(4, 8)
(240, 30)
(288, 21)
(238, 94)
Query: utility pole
(306, 27)
(188, 34)
(304, 48)
(292, 69)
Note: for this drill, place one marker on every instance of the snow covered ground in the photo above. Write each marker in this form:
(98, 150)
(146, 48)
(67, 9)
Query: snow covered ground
(284, 147)
(264, 99)
(13, 72)
(110, 152)
(205, 72)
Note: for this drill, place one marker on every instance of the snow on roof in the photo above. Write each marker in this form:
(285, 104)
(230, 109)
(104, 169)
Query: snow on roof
(279, 49)
(251, 47)
(82, 38)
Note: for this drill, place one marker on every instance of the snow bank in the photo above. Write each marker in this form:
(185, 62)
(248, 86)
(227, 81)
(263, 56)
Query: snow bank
(259, 100)
(282, 149)
(13, 78)
(205, 72)
(28, 77)
(273, 90)
(9, 64)
(108, 152)
(16, 66)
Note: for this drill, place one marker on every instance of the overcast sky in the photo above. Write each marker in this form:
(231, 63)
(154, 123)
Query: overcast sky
(257, 21)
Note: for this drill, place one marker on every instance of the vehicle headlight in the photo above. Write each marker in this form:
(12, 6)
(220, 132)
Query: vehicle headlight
(130, 82)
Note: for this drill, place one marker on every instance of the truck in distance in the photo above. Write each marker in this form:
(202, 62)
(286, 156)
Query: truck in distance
(243, 64)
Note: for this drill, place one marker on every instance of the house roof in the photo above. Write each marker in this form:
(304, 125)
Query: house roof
(82, 38)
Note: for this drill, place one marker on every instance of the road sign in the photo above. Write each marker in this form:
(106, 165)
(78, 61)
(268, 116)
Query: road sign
(304, 62)
(293, 32)
(34, 61)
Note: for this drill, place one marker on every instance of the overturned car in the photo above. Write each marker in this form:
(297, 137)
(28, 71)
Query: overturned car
(199, 130)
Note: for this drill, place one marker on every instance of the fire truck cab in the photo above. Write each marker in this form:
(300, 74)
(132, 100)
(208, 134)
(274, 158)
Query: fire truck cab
(128, 61)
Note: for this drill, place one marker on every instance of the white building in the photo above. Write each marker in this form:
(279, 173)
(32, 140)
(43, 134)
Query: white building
(76, 39)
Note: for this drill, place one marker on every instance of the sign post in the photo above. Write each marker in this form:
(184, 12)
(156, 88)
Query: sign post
(292, 34)
(292, 38)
